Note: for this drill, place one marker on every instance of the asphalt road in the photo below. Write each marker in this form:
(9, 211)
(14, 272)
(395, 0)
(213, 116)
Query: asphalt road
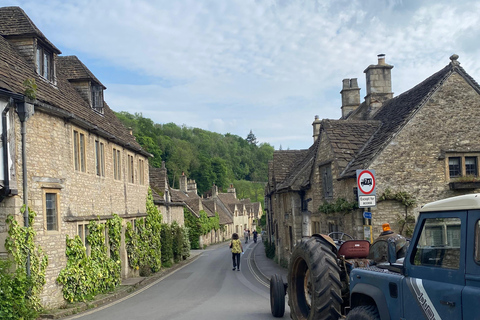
(205, 289)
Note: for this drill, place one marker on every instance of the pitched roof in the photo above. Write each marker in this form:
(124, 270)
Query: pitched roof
(15, 22)
(282, 164)
(396, 113)
(73, 69)
(61, 100)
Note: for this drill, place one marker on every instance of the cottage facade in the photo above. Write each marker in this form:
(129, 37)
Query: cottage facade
(422, 145)
(65, 154)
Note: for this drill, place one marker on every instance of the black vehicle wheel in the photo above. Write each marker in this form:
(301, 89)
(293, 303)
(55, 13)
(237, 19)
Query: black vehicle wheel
(364, 313)
(314, 287)
(277, 296)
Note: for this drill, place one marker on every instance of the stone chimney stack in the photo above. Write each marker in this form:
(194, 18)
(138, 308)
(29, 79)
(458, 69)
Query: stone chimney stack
(191, 185)
(379, 85)
(316, 128)
(231, 189)
(214, 191)
(350, 96)
(183, 182)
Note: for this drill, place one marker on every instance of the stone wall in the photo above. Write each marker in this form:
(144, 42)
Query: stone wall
(82, 196)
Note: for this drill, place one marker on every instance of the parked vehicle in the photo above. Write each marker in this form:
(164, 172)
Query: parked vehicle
(438, 276)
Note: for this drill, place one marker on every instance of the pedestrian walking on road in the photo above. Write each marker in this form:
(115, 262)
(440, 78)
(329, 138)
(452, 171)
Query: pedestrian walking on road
(237, 250)
(245, 235)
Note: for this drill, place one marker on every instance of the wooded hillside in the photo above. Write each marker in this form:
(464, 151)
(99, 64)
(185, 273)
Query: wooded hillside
(205, 156)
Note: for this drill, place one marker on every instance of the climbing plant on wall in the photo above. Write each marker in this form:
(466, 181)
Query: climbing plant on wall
(339, 206)
(405, 221)
(194, 228)
(19, 293)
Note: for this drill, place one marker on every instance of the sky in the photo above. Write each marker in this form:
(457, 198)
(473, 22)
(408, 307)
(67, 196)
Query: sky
(231, 66)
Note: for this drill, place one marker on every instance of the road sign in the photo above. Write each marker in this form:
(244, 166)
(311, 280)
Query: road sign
(367, 215)
(366, 182)
(367, 201)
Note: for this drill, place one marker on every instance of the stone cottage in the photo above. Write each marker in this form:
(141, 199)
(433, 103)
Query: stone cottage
(422, 145)
(64, 153)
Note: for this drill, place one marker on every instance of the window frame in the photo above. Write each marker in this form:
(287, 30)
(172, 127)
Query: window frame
(44, 57)
(79, 150)
(462, 158)
(326, 177)
(56, 193)
(131, 168)
(141, 172)
(117, 163)
(97, 98)
(99, 158)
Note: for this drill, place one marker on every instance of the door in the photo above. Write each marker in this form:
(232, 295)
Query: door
(471, 293)
(435, 267)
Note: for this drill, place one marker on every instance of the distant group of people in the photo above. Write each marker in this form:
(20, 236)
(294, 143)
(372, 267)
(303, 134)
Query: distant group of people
(237, 248)
(246, 235)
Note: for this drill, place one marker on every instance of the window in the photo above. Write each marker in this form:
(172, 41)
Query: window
(51, 205)
(117, 161)
(130, 169)
(471, 166)
(99, 158)
(141, 172)
(327, 181)
(439, 243)
(97, 98)
(463, 165)
(83, 233)
(79, 150)
(44, 63)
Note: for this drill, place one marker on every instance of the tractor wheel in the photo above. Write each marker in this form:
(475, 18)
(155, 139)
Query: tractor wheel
(314, 286)
(277, 296)
(364, 313)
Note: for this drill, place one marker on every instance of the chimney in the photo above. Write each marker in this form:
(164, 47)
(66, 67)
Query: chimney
(379, 85)
(231, 189)
(130, 130)
(191, 185)
(183, 182)
(350, 96)
(316, 128)
(214, 191)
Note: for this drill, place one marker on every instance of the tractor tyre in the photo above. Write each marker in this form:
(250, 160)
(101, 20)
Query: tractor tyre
(277, 296)
(364, 313)
(314, 286)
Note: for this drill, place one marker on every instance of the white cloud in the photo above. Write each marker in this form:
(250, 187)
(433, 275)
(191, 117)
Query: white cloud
(269, 66)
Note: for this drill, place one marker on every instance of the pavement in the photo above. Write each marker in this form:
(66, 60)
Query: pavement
(263, 267)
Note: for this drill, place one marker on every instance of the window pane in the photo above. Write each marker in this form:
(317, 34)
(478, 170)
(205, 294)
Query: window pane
(46, 65)
(97, 157)
(471, 166)
(82, 152)
(454, 167)
(102, 160)
(39, 60)
(439, 244)
(51, 211)
(75, 150)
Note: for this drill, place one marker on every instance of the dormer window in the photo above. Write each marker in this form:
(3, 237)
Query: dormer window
(97, 98)
(44, 63)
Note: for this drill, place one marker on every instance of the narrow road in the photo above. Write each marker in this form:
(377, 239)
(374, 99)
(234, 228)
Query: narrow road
(206, 289)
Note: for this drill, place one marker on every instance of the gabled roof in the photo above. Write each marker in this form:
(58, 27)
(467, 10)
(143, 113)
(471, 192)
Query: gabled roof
(74, 70)
(14, 22)
(282, 164)
(396, 113)
(61, 100)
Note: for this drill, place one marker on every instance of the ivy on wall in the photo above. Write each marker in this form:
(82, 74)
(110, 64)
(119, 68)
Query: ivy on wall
(180, 243)
(19, 293)
(406, 222)
(200, 226)
(86, 276)
(167, 245)
(339, 206)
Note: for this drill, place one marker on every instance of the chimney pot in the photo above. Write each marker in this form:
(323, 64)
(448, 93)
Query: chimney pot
(381, 59)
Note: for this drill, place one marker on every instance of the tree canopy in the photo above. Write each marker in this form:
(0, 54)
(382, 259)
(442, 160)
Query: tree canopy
(208, 157)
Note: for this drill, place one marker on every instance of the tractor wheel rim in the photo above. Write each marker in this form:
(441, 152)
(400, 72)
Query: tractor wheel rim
(307, 287)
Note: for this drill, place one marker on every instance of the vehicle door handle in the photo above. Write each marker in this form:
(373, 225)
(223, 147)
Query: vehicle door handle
(447, 303)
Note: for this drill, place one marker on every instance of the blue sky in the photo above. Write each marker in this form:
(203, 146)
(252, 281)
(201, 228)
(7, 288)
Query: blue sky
(267, 66)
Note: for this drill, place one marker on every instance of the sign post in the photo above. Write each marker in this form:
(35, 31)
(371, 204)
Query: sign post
(366, 188)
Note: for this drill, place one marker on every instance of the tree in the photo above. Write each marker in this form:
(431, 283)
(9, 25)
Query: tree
(251, 138)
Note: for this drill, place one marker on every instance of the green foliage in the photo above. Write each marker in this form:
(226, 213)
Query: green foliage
(405, 198)
(19, 293)
(167, 245)
(251, 138)
(143, 241)
(86, 276)
(194, 228)
(180, 243)
(114, 226)
(255, 191)
(30, 88)
(269, 249)
(339, 206)
(205, 156)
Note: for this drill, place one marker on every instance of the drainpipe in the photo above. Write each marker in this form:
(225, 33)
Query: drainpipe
(23, 115)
